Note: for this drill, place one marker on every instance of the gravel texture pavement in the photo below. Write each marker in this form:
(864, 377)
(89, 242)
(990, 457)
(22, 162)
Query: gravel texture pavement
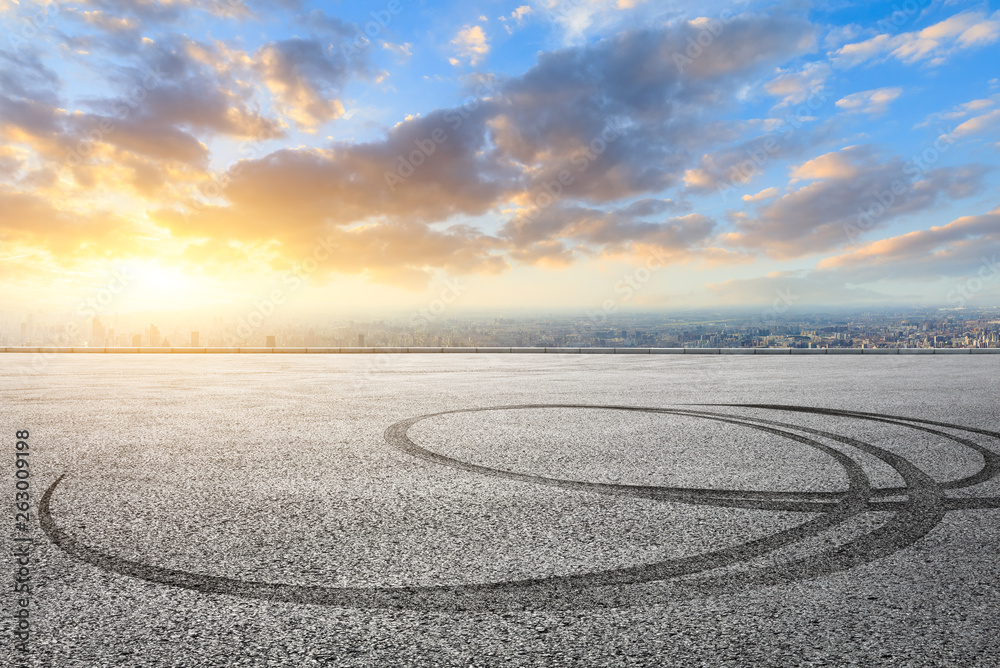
(464, 509)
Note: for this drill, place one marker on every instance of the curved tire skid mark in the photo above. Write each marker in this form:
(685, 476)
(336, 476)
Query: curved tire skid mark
(913, 519)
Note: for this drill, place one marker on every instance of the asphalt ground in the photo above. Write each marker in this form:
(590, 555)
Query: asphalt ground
(387, 510)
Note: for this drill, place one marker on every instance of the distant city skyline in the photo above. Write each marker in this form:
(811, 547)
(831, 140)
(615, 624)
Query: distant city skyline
(773, 327)
(386, 156)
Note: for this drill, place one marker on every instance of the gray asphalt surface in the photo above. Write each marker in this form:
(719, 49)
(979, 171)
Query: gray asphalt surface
(293, 511)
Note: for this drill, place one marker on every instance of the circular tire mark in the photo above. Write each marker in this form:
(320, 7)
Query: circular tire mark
(924, 507)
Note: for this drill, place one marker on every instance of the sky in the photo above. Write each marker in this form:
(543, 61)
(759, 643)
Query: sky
(335, 156)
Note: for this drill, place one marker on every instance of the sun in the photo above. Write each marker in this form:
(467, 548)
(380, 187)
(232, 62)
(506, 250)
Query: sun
(151, 285)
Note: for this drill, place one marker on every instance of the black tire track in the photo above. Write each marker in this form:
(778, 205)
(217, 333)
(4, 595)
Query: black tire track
(913, 518)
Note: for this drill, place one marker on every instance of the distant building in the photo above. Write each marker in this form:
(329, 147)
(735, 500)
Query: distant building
(270, 342)
(97, 333)
(154, 336)
(361, 339)
(194, 339)
(137, 341)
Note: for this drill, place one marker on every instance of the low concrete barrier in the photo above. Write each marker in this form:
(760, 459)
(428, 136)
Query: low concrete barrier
(550, 351)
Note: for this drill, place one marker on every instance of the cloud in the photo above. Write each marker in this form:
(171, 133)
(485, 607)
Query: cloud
(610, 232)
(989, 121)
(31, 221)
(873, 102)
(111, 24)
(850, 192)
(312, 189)
(960, 111)
(517, 17)
(834, 166)
(738, 165)
(505, 148)
(319, 21)
(783, 292)
(402, 51)
(306, 77)
(767, 193)
(174, 11)
(624, 130)
(954, 249)
(932, 45)
(519, 13)
(578, 18)
(644, 120)
(794, 87)
(471, 45)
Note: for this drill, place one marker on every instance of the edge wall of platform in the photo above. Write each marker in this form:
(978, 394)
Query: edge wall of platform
(516, 350)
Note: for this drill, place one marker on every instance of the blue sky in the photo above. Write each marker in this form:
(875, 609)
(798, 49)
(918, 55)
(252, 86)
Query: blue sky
(845, 152)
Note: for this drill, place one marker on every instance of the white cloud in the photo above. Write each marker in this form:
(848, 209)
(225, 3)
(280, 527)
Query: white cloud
(519, 13)
(979, 124)
(472, 45)
(960, 111)
(578, 18)
(401, 51)
(872, 102)
(833, 166)
(795, 87)
(931, 45)
(767, 193)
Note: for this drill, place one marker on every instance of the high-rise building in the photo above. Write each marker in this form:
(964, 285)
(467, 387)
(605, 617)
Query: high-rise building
(154, 336)
(137, 341)
(194, 339)
(361, 340)
(270, 341)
